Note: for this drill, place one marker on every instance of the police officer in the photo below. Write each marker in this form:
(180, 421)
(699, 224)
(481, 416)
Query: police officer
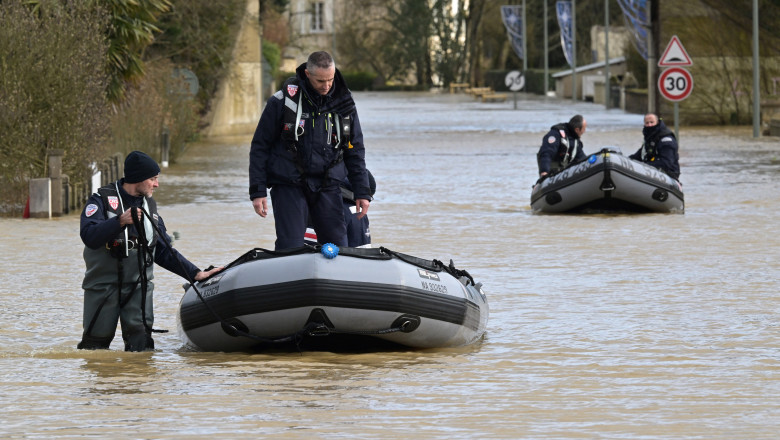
(358, 229)
(120, 228)
(562, 146)
(307, 141)
(660, 148)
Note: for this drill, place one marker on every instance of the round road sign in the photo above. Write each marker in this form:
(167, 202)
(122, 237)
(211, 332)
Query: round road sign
(514, 80)
(675, 84)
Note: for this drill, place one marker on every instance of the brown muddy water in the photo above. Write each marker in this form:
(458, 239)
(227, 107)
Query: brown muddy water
(643, 326)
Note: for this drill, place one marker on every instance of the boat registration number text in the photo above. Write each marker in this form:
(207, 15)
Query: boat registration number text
(211, 291)
(433, 287)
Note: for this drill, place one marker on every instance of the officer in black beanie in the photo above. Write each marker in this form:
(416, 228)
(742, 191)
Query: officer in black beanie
(119, 251)
(139, 167)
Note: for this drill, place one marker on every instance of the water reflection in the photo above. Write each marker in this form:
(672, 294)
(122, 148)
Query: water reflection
(109, 373)
(601, 326)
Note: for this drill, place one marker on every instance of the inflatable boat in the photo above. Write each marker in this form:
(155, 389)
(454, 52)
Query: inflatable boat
(607, 182)
(300, 298)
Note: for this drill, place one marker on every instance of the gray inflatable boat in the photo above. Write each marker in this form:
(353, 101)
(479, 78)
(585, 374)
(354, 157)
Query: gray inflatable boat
(323, 296)
(606, 182)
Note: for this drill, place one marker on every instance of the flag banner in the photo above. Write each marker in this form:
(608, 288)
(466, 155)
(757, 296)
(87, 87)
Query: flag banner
(636, 14)
(514, 22)
(563, 7)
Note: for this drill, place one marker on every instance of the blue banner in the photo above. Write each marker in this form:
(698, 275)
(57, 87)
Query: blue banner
(637, 16)
(563, 8)
(514, 21)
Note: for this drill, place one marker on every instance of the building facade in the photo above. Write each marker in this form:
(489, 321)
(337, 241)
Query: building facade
(311, 24)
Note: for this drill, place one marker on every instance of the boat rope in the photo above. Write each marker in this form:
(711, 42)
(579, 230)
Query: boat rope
(457, 273)
(145, 256)
(435, 265)
(231, 329)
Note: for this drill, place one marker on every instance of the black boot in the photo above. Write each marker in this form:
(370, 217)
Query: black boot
(140, 341)
(94, 343)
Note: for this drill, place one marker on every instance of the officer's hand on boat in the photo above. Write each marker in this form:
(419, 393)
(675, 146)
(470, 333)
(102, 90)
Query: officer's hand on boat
(211, 270)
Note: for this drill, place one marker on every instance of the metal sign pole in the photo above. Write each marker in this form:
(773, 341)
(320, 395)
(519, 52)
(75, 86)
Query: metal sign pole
(756, 83)
(677, 121)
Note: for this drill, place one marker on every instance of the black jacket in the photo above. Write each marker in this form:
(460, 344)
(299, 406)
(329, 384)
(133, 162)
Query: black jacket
(97, 229)
(270, 160)
(556, 143)
(659, 150)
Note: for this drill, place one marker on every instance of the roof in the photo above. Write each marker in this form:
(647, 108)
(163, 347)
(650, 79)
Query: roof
(592, 66)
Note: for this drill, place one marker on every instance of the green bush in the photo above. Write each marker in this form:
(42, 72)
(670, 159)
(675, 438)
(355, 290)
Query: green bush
(272, 54)
(158, 103)
(52, 93)
(200, 35)
(359, 80)
(637, 66)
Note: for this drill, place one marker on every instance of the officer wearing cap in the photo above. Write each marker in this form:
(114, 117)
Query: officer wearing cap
(123, 236)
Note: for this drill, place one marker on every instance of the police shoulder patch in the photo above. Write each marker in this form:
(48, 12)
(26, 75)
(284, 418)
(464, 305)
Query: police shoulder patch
(666, 139)
(90, 210)
(113, 202)
(551, 140)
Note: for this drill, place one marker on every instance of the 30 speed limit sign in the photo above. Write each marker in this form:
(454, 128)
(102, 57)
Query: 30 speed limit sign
(675, 84)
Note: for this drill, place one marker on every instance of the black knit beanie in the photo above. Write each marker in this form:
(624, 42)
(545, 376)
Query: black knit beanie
(139, 167)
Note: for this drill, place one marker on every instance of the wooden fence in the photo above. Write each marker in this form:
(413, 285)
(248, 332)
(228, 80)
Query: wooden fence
(56, 195)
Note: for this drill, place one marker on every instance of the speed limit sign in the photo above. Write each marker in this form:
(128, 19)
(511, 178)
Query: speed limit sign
(675, 84)
(515, 80)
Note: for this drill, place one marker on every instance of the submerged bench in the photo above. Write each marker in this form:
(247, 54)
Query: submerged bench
(478, 92)
(454, 87)
(494, 97)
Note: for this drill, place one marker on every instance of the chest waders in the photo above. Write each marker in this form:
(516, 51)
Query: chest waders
(119, 249)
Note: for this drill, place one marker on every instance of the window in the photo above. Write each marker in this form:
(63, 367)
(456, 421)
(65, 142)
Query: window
(318, 17)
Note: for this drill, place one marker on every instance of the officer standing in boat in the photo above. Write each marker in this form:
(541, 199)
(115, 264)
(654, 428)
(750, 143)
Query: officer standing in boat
(307, 141)
(562, 146)
(660, 149)
(121, 231)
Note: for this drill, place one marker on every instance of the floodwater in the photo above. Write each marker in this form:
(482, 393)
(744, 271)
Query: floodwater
(643, 326)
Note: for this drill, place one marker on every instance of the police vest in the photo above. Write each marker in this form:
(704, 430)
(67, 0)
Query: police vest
(293, 125)
(566, 151)
(650, 149)
(113, 206)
